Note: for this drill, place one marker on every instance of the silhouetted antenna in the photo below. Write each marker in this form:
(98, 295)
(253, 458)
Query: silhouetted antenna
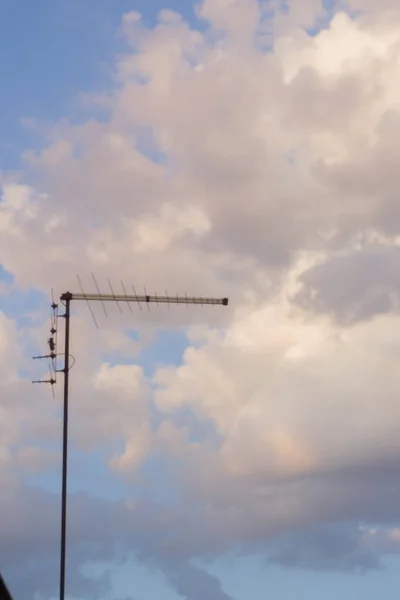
(150, 299)
(52, 344)
(53, 381)
(66, 298)
(166, 295)
(137, 298)
(98, 289)
(114, 296)
(87, 302)
(54, 331)
(146, 298)
(126, 296)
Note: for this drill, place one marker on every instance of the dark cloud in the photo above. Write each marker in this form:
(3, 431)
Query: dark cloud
(169, 539)
(334, 548)
(193, 583)
(355, 286)
(98, 531)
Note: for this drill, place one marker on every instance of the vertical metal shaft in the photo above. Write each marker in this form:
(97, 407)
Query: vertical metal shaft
(67, 298)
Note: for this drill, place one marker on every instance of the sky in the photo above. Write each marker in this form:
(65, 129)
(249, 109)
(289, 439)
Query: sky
(223, 148)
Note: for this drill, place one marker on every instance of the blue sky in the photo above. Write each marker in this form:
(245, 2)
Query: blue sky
(55, 52)
(60, 51)
(63, 49)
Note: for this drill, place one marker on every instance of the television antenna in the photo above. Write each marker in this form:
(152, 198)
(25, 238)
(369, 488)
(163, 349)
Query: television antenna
(119, 299)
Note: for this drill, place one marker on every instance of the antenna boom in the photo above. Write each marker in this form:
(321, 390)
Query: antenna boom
(146, 299)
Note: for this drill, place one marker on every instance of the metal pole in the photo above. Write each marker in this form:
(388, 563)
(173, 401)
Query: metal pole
(67, 298)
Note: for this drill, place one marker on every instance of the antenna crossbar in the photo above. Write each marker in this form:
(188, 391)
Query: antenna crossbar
(146, 299)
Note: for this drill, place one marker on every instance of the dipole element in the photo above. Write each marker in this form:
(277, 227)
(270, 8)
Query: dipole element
(67, 298)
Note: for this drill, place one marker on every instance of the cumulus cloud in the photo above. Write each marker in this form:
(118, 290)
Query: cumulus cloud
(268, 175)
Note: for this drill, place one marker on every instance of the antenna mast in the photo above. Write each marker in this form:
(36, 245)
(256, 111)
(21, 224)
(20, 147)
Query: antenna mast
(66, 298)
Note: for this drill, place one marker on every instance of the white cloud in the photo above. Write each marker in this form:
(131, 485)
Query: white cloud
(234, 16)
(280, 388)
